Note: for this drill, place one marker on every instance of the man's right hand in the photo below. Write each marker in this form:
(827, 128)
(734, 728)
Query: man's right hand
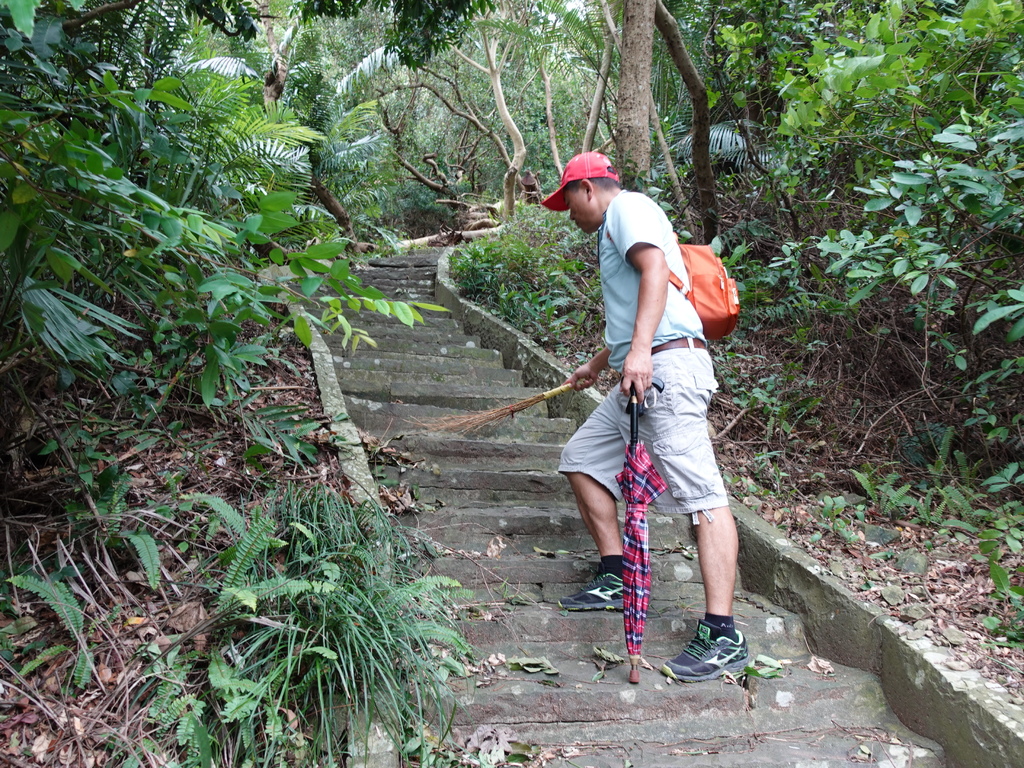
(586, 375)
(582, 377)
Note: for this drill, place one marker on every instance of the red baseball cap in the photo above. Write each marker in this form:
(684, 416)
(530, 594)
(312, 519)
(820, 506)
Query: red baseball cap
(589, 165)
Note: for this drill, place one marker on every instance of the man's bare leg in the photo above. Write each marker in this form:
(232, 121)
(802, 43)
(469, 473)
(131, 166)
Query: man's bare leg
(599, 512)
(718, 550)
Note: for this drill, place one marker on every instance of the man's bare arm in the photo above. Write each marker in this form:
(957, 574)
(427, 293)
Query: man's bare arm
(650, 261)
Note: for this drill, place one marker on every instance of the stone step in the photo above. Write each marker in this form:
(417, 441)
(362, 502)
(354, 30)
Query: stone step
(388, 284)
(466, 448)
(408, 347)
(800, 749)
(457, 486)
(379, 384)
(492, 619)
(409, 293)
(465, 399)
(609, 709)
(383, 334)
(551, 529)
(383, 357)
(422, 364)
(422, 258)
(386, 420)
(398, 271)
(672, 573)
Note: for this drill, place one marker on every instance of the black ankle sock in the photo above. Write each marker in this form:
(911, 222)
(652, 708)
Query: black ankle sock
(721, 626)
(611, 564)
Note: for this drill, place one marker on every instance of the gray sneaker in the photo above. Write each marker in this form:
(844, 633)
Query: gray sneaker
(706, 659)
(604, 593)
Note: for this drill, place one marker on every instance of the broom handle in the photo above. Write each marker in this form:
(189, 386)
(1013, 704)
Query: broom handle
(557, 391)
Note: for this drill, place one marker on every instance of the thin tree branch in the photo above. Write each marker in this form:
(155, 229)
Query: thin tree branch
(470, 61)
(73, 25)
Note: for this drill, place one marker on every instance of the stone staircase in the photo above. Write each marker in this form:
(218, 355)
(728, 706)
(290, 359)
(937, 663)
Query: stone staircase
(506, 527)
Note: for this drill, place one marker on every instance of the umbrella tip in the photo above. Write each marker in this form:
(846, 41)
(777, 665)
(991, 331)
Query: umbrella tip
(634, 675)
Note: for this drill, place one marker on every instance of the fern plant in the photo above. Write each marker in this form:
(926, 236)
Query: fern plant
(341, 621)
(149, 556)
(58, 597)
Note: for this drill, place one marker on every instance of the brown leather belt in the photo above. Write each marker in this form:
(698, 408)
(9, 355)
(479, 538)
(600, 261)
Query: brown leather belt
(677, 343)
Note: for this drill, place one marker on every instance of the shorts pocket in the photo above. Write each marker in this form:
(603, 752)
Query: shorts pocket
(689, 460)
(690, 403)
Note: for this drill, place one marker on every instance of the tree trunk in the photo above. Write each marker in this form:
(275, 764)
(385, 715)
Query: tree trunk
(701, 129)
(494, 67)
(550, 113)
(334, 207)
(273, 81)
(632, 135)
(602, 82)
(670, 166)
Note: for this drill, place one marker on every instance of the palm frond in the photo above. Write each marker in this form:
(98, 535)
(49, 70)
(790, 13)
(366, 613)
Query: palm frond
(226, 66)
(376, 61)
(727, 145)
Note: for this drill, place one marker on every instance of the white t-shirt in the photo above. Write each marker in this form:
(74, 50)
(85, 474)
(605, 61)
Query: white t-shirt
(634, 218)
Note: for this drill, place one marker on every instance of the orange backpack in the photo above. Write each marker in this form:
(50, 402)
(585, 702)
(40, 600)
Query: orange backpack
(712, 292)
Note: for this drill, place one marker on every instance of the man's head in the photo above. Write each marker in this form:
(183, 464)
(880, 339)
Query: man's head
(588, 183)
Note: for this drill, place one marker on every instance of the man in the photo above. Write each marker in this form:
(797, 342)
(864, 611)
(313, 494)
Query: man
(650, 330)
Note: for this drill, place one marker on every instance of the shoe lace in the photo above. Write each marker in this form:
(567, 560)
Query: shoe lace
(604, 580)
(699, 647)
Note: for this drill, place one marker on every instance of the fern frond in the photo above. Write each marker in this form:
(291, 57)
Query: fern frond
(83, 668)
(42, 658)
(249, 547)
(227, 513)
(58, 597)
(149, 555)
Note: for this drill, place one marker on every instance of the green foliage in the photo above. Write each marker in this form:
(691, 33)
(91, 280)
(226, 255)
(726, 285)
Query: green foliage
(58, 597)
(149, 556)
(139, 220)
(62, 602)
(530, 277)
(934, 96)
(421, 27)
(336, 623)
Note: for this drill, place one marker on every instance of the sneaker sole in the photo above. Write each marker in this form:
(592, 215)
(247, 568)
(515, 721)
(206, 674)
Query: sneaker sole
(613, 605)
(735, 666)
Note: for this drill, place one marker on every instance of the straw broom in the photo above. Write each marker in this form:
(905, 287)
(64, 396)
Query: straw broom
(475, 421)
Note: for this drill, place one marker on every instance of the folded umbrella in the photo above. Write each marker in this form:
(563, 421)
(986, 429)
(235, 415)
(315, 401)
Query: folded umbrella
(641, 484)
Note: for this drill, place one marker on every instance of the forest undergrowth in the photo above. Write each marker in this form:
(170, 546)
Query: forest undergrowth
(223, 601)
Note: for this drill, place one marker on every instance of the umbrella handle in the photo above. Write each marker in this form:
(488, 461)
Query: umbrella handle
(634, 416)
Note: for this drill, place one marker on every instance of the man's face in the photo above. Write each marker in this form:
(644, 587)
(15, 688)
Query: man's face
(584, 209)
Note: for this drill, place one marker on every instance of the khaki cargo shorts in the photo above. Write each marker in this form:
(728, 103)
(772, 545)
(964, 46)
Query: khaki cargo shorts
(674, 429)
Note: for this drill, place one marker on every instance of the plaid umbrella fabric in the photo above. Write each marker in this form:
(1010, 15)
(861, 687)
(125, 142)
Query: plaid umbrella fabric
(641, 484)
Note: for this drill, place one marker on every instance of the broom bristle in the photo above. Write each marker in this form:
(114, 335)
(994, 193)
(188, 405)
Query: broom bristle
(474, 421)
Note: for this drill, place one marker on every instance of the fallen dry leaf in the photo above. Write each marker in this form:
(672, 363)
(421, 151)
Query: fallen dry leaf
(41, 744)
(187, 616)
(495, 546)
(820, 666)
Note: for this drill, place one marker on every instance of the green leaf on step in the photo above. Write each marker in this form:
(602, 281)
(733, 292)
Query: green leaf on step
(531, 664)
(611, 658)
